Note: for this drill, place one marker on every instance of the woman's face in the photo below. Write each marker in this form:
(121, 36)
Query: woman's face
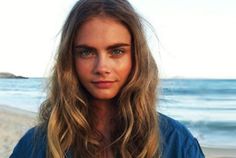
(103, 56)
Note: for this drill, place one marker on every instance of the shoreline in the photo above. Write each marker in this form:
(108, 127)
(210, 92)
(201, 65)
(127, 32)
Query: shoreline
(15, 122)
(219, 152)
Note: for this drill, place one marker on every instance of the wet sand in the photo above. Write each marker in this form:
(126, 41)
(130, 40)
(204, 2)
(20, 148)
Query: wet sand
(219, 152)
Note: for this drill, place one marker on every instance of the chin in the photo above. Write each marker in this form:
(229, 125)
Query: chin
(104, 96)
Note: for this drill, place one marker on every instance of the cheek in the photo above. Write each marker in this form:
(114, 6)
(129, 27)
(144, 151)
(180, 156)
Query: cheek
(124, 68)
(82, 69)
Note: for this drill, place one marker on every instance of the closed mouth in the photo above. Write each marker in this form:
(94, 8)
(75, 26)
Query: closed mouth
(103, 84)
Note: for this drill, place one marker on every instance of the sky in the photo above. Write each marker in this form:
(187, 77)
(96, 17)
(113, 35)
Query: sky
(195, 38)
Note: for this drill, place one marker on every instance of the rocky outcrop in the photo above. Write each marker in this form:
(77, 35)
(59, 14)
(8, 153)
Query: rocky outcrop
(10, 75)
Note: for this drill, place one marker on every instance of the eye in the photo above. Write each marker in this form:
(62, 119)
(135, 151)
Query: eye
(85, 53)
(117, 52)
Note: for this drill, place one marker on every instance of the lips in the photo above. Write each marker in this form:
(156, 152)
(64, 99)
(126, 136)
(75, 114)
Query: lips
(103, 84)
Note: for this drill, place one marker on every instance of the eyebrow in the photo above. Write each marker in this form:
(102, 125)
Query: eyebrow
(116, 45)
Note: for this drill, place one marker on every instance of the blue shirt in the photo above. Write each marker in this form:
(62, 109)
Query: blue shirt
(176, 142)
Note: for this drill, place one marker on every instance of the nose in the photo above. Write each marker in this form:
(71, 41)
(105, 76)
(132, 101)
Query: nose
(102, 66)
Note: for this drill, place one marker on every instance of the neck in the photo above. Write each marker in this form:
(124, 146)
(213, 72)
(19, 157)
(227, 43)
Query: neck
(103, 110)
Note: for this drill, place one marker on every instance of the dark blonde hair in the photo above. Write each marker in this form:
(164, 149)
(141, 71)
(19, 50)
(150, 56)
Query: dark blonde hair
(66, 113)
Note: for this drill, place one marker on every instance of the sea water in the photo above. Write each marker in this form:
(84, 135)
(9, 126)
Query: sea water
(26, 94)
(207, 107)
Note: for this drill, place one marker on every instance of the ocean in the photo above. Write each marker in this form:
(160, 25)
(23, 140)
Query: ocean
(207, 107)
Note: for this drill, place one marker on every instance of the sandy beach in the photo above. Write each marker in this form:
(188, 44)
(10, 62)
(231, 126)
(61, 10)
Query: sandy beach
(219, 152)
(14, 123)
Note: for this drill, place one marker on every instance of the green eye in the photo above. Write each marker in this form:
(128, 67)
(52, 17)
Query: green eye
(117, 52)
(85, 53)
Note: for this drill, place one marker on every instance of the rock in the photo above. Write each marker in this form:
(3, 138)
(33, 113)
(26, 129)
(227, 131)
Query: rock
(10, 75)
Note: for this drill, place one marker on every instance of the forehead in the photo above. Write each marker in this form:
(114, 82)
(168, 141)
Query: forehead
(98, 30)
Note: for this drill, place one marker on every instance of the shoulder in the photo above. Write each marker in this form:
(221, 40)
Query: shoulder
(33, 142)
(169, 126)
(176, 140)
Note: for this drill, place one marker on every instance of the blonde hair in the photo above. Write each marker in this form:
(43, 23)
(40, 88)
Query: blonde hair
(66, 113)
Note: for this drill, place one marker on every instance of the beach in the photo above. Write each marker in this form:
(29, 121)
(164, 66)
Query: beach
(15, 122)
(219, 152)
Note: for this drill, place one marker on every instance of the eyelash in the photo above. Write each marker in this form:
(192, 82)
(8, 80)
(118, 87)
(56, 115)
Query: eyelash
(114, 52)
(85, 53)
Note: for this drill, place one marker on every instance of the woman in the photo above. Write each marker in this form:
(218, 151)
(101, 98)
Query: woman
(102, 94)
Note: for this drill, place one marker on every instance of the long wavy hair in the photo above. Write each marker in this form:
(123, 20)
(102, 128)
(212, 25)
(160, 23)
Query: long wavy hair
(66, 115)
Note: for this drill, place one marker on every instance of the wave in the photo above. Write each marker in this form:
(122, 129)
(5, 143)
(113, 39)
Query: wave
(211, 125)
(191, 91)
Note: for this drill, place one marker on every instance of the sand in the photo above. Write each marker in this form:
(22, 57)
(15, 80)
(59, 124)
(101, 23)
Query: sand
(219, 152)
(14, 123)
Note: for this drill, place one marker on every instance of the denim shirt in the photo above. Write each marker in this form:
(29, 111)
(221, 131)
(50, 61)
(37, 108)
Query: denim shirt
(175, 142)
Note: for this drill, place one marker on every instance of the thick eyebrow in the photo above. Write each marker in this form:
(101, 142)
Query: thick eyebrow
(116, 45)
